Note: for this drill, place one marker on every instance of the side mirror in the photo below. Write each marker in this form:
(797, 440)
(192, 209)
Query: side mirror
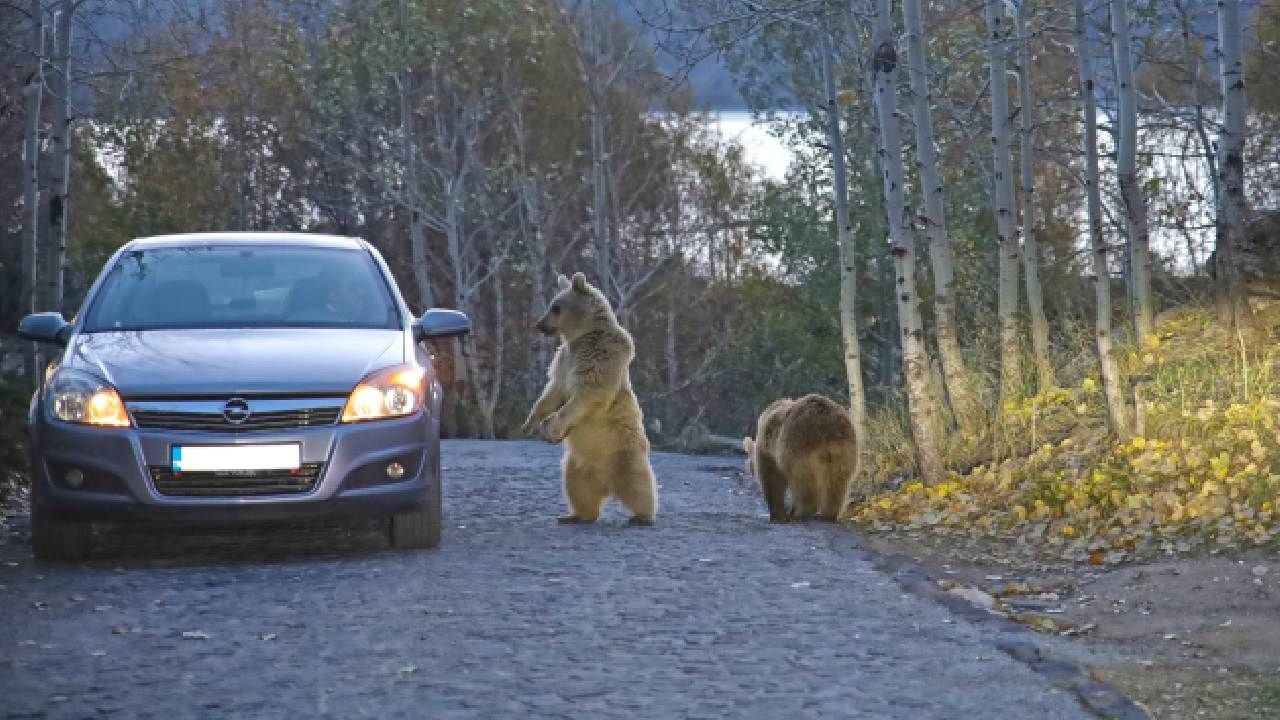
(441, 323)
(47, 327)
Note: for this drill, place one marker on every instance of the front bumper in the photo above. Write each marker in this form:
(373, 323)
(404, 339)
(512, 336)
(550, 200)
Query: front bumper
(119, 464)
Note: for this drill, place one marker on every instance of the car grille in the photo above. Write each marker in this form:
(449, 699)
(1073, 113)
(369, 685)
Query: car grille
(215, 422)
(237, 483)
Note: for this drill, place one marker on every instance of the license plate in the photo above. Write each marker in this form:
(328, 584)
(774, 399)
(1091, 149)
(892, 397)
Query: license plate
(230, 458)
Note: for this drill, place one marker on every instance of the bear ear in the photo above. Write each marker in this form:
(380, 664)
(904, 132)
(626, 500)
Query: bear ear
(563, 282)
(580, 282)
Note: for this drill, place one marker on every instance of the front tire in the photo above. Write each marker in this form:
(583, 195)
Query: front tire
(59, 540)
(421, 529)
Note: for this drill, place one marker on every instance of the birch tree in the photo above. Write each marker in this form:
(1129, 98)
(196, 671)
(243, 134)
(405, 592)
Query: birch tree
(958, 384)
(915, 360)
(601, 62)
(1027, 168)
(1191, 62)
(1232, 307)
(844, 243)
(1117, 407)
(1135, 205)
(404, 81)
(57, 204)
(1002, 203)
(32, 90)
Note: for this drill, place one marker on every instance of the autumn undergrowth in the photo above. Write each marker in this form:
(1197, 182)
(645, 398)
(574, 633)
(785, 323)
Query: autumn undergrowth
(1045, 474)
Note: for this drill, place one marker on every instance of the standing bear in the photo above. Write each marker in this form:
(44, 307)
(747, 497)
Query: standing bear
(588, 403)
(807, 446)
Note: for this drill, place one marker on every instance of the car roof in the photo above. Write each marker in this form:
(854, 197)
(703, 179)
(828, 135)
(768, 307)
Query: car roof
(298, 239)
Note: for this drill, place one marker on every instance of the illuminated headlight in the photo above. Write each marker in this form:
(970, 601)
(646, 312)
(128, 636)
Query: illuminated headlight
(76, 397)
(394, 392)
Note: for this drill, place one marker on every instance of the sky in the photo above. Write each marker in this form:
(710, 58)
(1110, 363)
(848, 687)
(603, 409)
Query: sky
(761, 148)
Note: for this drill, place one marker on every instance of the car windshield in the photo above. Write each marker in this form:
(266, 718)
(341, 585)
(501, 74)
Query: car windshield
(242, 286)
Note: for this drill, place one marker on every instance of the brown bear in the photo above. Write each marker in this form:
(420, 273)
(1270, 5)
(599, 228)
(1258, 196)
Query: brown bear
(588, 403)
(807, 446)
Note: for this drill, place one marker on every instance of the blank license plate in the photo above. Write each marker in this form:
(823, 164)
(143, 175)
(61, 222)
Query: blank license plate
(219, 458)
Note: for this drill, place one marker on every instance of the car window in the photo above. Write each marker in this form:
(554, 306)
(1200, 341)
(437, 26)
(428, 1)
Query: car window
(242, 286)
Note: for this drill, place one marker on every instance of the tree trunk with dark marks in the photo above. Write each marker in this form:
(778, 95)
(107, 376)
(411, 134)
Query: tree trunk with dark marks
(844, 243)
(1117, 405)
(1135, 205)
(1232, 306)
(1002, 205)
(59, 156)
(30, 252)
(921, 406)
(956, 379)
(1030, 251)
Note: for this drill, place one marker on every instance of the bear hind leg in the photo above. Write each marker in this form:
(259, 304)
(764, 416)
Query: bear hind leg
(836, 498)
(584, 493)
(805, 495)
(838, 471)
(773, 484)
(633, 484)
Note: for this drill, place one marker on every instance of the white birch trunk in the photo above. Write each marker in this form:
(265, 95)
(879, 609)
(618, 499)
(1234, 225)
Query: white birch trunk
(921, 408)
(1117, 405)
(409, 157)
(844, 242)
(59, 159)
(1234, 209)
(596, 98)
(1135, 205)
(1002, 205)
(1030, 250)
(417, 230)
(1192, 62)
(32, 94)
(956, 378)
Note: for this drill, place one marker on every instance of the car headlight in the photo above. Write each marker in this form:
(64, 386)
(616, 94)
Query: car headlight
(394, 392)
(78, 397)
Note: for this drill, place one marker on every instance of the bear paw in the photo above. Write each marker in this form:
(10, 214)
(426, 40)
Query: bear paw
(646, 521)
(553, 430)
(573, 520)
(530, 424)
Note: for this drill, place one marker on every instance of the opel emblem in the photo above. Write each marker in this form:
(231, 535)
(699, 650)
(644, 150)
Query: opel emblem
(236, 411)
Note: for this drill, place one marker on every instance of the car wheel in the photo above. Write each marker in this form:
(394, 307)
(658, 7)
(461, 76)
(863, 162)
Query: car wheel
(59, 540)
(420, 529)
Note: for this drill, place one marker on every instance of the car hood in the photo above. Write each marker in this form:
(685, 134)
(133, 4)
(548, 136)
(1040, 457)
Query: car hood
(235, 361)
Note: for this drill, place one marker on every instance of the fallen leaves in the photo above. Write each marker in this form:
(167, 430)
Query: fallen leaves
(1204, 471)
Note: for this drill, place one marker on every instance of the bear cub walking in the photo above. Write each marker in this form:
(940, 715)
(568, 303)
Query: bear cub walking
(807, 446)
(588, 403)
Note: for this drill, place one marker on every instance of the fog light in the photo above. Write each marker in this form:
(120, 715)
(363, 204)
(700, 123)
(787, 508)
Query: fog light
(395, 471)
(74, 477)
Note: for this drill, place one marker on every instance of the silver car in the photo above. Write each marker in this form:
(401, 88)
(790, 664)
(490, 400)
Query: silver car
(227, 377)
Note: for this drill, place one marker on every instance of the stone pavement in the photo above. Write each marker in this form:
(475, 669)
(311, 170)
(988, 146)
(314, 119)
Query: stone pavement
(712, 613)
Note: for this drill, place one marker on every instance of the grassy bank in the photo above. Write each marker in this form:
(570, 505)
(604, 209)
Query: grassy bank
(1047, 476)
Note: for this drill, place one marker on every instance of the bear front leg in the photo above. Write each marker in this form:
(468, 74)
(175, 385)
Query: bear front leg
(773, 485)
(550, 399)
(561, 422)
(584, 493)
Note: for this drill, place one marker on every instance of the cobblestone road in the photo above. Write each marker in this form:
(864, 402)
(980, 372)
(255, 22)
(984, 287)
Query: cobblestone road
(712, 613)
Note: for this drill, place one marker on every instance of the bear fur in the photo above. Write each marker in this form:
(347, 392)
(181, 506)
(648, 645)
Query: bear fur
(808, 447)
(588, 403)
